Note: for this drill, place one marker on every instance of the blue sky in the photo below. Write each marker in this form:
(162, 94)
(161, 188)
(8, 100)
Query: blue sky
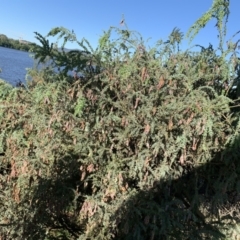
(154, 19)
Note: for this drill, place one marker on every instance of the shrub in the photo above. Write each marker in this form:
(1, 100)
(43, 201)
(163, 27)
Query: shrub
(145, 148)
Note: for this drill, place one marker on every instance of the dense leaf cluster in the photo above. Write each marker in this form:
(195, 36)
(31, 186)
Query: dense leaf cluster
(144, 147)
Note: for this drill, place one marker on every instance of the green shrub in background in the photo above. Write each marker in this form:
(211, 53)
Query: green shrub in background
(146, 146)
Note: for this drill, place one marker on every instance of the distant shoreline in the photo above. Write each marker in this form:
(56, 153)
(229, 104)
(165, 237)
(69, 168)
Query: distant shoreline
(19, 44)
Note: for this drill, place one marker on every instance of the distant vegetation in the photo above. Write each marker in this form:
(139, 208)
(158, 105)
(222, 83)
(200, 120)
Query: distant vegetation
(15, 44)
(144, 146)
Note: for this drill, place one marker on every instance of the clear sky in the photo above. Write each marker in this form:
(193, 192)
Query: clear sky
(154, 19)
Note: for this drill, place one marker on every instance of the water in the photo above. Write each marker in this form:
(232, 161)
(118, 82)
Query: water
(13, 64)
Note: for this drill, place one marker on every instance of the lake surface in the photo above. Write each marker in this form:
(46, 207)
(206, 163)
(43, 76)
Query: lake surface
(13, 64)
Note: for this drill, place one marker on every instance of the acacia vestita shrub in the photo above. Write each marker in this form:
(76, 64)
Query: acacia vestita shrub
(144, 148)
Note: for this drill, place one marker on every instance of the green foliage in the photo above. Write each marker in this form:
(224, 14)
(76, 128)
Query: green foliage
(219, 11)
(45, 51)
(145, 147)
(35, 142)
(78, 109)
(66, 61)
